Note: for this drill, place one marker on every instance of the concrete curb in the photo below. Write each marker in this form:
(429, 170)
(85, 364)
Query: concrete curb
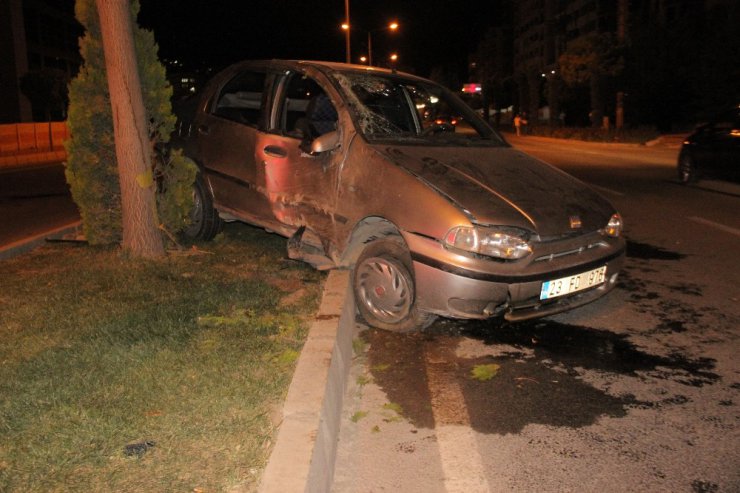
(305, 451)
(26, 244)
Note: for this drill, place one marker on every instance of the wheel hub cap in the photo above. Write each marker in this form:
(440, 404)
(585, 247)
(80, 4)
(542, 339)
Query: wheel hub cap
(383, 289)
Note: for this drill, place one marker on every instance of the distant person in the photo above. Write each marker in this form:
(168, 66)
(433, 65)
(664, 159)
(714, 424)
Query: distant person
(519, 122)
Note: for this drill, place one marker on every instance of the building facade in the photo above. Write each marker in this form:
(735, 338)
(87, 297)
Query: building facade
(543, 31)
(665, 60)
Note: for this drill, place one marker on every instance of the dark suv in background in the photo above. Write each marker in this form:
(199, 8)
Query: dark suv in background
(713, 150)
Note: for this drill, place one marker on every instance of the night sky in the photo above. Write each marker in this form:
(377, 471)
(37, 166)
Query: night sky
(215, 33)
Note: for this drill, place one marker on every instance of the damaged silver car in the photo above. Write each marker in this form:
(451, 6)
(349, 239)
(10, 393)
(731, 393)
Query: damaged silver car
(363, 168)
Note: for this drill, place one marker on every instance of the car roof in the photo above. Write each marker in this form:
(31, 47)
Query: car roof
(324, 66)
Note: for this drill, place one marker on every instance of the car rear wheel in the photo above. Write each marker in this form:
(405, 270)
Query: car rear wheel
(385, 290)
(204, 220)
(686, 169)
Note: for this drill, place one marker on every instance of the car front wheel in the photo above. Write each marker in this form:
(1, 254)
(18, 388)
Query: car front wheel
(384, 288)
(686, 169)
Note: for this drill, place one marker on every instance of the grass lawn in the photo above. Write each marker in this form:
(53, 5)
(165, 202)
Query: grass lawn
(192, 355)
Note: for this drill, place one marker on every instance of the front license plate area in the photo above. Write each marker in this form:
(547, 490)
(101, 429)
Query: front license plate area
(572, 284)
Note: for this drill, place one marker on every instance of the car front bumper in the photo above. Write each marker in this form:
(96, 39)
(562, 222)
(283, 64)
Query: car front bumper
(458, 286)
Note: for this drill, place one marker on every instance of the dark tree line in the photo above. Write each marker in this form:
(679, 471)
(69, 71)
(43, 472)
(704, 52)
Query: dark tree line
(680, 72)
(674, 67)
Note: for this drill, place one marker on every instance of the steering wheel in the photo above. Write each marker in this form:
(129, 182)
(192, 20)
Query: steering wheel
(436, 128)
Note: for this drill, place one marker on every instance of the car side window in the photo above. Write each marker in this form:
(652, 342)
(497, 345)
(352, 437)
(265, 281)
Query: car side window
(241, 99)
(307, 112)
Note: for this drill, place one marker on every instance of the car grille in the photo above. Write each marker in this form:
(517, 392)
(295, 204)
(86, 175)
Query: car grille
(571, 251)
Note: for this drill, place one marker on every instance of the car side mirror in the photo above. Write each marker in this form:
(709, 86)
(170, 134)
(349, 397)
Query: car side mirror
(325, 143)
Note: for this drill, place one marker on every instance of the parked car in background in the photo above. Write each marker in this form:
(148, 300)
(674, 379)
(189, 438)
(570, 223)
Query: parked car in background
(350, 164)
(713, 150)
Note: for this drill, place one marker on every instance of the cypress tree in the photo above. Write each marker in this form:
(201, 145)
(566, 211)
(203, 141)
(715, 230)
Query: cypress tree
(91, 167)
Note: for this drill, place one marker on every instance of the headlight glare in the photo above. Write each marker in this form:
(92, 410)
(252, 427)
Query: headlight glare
(488, 242)
(614, 226)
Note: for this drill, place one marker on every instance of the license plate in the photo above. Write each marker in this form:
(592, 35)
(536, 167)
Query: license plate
(571, 284)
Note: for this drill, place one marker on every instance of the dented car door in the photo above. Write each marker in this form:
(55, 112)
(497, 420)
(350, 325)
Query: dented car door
(300, 186)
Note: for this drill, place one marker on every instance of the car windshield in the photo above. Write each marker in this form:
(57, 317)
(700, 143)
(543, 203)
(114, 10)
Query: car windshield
(387, 107)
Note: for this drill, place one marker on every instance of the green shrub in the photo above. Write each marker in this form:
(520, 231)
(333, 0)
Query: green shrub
(91, 168)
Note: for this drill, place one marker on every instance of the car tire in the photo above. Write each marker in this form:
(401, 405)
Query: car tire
(204, 220)
(385, 289)
(686, 169)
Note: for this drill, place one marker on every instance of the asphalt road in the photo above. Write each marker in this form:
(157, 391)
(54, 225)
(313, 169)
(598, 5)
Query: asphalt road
(33, 201)
(638, 391)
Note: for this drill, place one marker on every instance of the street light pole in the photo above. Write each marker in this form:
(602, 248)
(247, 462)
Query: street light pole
(391, 27)
(346, 16)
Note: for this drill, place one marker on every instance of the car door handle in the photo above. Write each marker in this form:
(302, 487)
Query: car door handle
(276, 151)
(203, 129)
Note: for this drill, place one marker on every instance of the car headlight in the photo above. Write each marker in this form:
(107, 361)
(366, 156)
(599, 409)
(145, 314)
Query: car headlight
(614, 226)
(488, 241)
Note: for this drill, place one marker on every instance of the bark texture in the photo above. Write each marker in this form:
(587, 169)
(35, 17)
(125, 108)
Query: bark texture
(141, 236)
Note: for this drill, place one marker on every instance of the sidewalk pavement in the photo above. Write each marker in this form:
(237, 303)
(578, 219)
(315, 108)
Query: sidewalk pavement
(35, 158)
(668, 141)
(29, 243)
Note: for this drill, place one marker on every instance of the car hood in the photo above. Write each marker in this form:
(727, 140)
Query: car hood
(503, 186)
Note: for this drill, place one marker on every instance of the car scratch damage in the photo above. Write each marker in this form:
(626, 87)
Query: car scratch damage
(311, 242)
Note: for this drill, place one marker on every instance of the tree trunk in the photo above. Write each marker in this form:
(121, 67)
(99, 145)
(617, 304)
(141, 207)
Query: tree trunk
(553, 99)
(534, 83)
(597, 100)
(141, 236)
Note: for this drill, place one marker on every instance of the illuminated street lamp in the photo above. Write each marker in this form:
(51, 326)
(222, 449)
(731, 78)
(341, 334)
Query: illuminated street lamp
(393, 26)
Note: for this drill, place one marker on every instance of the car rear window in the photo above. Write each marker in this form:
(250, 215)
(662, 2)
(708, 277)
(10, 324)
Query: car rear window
(241, 99)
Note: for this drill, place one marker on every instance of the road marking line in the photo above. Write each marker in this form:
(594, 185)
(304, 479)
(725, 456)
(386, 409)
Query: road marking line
(458, 449)
(721, 227)
(461, 462)
(607, 190)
